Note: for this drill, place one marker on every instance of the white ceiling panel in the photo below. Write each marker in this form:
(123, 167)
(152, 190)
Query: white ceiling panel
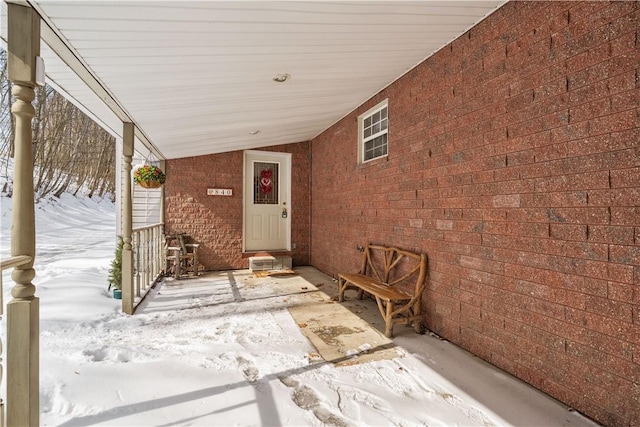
(73, 88)
(196, 76)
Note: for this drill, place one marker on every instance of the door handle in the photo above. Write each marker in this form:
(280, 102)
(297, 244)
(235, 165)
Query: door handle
(284, 213)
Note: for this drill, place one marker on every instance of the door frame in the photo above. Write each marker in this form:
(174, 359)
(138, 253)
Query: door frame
(285, 159)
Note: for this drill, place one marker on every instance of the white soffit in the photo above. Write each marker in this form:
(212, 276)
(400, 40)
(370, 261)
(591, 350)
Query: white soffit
(196, 77)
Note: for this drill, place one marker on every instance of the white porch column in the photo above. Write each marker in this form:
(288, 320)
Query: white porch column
(23, 311)
(163, 166)
(128, 294)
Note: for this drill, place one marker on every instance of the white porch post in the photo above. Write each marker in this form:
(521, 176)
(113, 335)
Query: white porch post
(127, 220)
(23, 311)
(163, 166)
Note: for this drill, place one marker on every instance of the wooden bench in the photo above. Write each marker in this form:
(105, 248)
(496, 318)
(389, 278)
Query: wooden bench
(388, 274)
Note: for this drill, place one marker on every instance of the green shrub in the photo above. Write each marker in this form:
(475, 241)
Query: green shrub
(115, 272)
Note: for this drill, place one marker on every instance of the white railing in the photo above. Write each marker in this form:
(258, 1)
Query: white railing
(5, 264)
(148, 257)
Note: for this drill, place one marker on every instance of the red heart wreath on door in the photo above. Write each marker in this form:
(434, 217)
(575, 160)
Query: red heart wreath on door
(265, 181)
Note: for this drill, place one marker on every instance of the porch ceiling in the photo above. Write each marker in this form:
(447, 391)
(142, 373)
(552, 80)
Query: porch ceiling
(196, 77)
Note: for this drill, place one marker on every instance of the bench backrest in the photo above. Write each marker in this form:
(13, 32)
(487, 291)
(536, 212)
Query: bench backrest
(395, 267)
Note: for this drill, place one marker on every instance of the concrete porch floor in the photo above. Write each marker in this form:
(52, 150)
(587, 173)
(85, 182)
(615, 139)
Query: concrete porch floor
(512, 400)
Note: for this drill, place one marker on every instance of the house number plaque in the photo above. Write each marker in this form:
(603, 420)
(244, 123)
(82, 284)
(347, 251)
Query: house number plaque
(219, 192)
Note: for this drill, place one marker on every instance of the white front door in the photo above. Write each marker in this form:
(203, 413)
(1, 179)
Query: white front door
(267, 201)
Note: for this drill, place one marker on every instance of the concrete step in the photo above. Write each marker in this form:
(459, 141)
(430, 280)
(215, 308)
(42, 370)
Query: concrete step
(265, 263)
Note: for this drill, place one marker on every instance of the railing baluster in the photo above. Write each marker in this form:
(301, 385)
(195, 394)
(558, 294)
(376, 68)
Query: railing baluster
(145, 259)
(148, 246)
(136, 262)
(149, 256)
(140, 262)
(160, 250)
(153, 251)
(156, 237)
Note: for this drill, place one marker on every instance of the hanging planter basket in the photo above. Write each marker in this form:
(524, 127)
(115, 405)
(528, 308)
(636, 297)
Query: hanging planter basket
(150, 184)
(149, 176)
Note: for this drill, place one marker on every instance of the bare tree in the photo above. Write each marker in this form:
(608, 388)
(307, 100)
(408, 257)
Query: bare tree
(71, 152)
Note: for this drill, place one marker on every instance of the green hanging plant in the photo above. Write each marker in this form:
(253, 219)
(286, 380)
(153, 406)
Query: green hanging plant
(115, 272)
(149, 176)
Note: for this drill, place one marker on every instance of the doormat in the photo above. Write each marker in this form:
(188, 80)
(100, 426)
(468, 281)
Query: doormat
(272, 273)
(338, 335)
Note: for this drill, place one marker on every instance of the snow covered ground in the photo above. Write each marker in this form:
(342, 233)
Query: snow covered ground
(221, 361)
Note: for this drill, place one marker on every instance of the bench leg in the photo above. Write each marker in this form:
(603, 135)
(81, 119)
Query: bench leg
(178, 268)
(388, 321)
(167, 267)
(341, 288)
(417, 313)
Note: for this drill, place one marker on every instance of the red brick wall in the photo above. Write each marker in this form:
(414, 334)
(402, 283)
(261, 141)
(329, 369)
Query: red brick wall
(216, 221)
(514, 163)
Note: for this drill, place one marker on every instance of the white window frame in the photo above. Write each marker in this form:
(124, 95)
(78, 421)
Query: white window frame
(362, 140)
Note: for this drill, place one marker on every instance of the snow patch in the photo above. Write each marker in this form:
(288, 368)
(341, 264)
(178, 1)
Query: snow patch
(217, 359)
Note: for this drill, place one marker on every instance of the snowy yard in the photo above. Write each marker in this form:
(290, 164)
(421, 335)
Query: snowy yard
(222, 360)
